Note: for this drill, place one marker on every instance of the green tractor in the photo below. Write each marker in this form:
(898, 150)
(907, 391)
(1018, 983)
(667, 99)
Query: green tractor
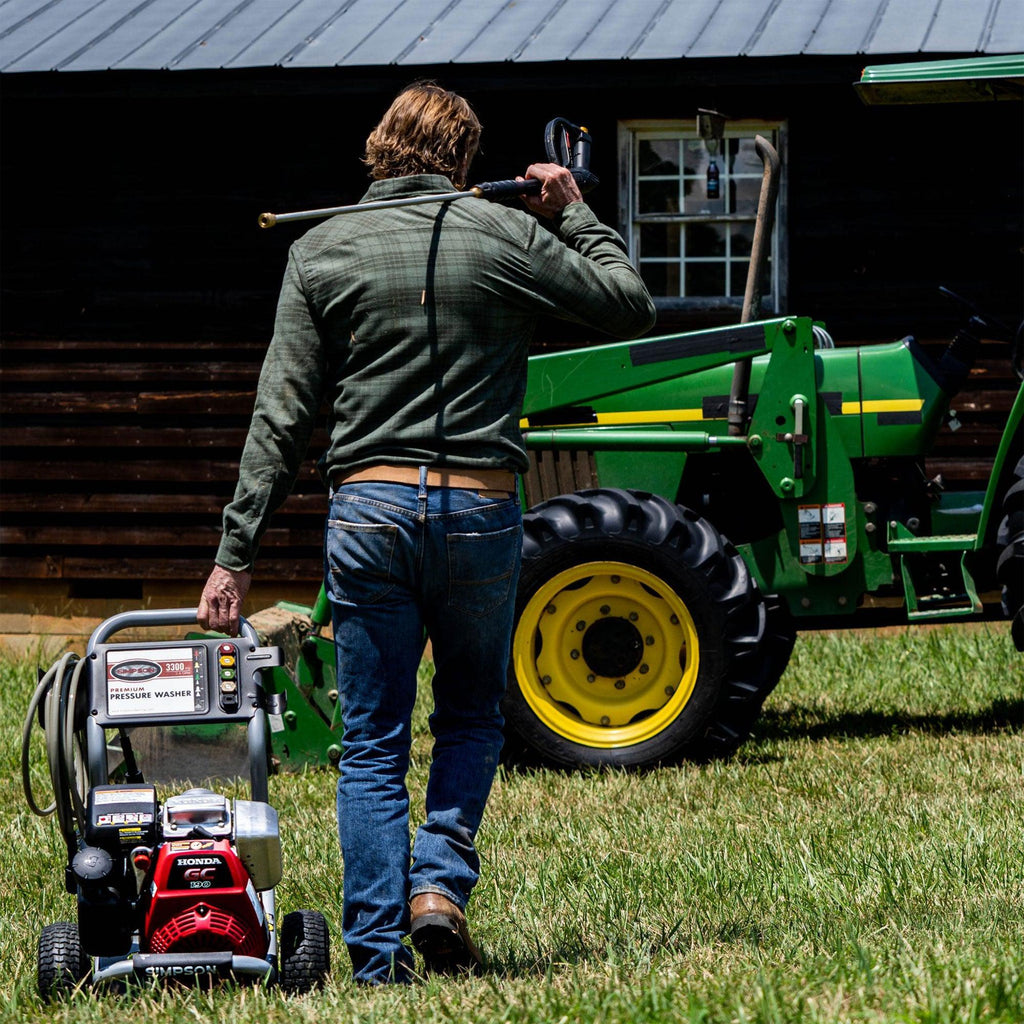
(696, 499)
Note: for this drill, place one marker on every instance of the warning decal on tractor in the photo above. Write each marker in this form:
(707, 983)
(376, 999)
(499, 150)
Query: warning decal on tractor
(822, 533)
(809, 518)
(162, 681)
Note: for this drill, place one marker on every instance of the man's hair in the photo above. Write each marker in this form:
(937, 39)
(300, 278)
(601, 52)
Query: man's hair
(427, 130)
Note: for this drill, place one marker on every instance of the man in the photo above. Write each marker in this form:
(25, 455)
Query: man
(413, 323)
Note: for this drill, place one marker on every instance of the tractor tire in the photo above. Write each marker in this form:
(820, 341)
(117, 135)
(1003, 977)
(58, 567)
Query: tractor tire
(1010, 557)
(305, 951)
(640, 636)
(62, 966)
(754, 675)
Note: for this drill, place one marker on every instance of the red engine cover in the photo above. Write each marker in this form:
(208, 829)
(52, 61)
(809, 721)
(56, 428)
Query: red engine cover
(203, 901)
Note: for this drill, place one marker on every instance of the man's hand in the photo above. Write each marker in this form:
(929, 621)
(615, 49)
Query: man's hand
(221, 604)
(558, 189)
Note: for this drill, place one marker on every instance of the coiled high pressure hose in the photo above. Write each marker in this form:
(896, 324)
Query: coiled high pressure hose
(57, 693)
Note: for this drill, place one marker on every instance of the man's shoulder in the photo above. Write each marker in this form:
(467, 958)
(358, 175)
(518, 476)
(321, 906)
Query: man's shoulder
(497, 220)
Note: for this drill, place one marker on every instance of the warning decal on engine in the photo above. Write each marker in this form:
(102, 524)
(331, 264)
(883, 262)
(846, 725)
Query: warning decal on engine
(122, 795)
(822, 533)
(160, 681)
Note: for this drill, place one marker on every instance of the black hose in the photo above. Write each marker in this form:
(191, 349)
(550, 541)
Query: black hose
(57, 692)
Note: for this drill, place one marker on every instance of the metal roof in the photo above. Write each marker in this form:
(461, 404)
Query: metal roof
(94, 35)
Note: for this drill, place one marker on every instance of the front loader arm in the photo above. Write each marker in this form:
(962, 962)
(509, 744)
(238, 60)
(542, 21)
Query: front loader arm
(570, 380)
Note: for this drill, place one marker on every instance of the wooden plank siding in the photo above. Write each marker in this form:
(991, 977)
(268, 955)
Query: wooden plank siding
(963, 458)
(118, 458)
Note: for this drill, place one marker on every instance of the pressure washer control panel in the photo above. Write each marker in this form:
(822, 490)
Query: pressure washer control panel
(167, 683)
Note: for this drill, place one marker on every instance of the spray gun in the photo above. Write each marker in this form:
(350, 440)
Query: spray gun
(567, 144)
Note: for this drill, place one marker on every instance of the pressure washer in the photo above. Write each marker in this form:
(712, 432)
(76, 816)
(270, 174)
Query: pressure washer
(173, 889)
(566, 144)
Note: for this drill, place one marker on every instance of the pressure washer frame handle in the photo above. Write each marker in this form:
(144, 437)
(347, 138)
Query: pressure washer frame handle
(157, 617)
(254, 717)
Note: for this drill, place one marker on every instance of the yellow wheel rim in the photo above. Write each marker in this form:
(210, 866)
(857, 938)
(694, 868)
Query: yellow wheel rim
(606, 654)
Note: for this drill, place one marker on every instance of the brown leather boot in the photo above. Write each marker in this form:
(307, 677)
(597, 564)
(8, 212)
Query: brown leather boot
(440, 933)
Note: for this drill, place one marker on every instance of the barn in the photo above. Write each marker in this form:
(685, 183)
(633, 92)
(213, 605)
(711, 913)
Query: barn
(141, 139)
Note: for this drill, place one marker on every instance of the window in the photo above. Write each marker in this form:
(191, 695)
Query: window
(694, 251)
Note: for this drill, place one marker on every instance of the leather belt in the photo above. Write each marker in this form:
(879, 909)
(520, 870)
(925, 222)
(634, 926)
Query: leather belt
(467, 479)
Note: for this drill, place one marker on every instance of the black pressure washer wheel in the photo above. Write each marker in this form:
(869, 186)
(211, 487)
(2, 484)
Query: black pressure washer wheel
(1010, 560)
(61, 964)
(640, 636)
(304, 951)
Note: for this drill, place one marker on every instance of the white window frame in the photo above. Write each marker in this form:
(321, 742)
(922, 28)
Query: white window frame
(630, 221)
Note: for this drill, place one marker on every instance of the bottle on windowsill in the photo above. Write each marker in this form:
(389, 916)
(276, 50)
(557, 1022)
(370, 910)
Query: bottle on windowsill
(712, 180)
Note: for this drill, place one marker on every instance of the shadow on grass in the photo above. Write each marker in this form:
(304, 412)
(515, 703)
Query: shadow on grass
(810, 723)
(538, 964)
(572, 951)
(802, 722)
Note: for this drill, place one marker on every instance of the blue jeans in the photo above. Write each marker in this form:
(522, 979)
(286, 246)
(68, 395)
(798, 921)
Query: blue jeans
(401, 560)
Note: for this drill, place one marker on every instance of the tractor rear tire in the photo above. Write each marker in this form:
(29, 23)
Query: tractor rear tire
(305, 951)
(62, 966)
(640, 636)
(1010, 558)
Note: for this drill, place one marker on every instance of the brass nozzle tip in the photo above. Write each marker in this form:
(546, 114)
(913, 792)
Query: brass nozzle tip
(267, 220)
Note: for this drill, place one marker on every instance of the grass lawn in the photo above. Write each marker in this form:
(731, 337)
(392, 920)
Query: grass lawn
(861, 859)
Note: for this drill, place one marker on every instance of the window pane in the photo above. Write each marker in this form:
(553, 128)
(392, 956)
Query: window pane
(744, 194)
(660, 278)
(697, 202)
(738, 278)
(705, 239)
(658, 196)
(695, 157)
(743, 158)
(705, 279)
(742, 238)
(659, 240)
(658, 156)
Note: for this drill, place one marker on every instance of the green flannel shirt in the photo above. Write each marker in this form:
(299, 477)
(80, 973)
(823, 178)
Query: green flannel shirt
(413, 324)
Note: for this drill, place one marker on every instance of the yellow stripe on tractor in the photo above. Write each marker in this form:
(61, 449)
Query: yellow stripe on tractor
(619, 419)
(883, 405)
